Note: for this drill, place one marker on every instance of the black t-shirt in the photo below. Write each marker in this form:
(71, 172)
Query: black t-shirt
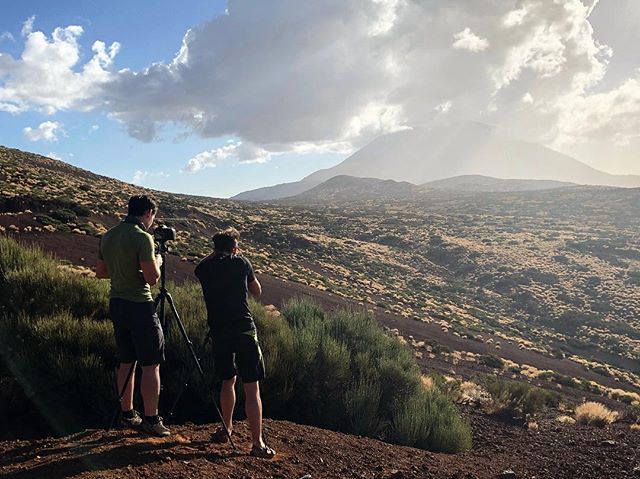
(224, 280)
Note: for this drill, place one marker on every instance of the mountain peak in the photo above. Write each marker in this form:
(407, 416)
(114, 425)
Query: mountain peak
(428, 153)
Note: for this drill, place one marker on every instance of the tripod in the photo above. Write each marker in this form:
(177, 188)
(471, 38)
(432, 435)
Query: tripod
(163, 297)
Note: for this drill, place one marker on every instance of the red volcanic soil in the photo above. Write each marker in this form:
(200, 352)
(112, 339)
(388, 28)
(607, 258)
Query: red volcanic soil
(551, 451)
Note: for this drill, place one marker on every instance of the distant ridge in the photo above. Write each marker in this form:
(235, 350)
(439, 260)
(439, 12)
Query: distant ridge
(345, 188)
(423, 154)
(488, 183)
(282, 190)
(351, 188)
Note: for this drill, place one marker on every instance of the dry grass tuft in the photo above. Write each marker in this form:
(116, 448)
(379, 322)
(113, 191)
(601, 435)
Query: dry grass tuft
(428, 383)
(595, 414)
(472, 393)
(564, 419)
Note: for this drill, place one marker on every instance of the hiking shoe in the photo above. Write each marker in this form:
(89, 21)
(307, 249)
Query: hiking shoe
(134, 421)
(264, 452)
(156, 429)
(220, 436)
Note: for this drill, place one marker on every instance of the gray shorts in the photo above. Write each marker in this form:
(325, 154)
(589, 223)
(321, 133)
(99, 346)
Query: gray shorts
(137, 331)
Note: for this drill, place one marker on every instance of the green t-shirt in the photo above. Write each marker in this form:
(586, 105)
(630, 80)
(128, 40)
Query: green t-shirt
(122, 248)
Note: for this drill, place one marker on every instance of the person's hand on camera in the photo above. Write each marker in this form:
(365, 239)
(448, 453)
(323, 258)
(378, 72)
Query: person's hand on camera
(159, 260)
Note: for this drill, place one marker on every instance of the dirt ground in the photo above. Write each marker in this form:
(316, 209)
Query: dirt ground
(553, 451)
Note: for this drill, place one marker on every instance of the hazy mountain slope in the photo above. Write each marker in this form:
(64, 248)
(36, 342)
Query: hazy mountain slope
(351, 188)
(488, 183)
(283, 190)
(426, 154)
(348, 188)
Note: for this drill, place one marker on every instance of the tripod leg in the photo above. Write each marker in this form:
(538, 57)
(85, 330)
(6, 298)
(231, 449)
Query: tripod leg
(176, 401)
(184, 334)
(116, 411)
(197, 362)
(160, 300)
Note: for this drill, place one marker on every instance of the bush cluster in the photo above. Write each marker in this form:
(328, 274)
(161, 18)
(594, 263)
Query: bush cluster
(517, 399)
(492, 361)
(331, 369)
(358, 379)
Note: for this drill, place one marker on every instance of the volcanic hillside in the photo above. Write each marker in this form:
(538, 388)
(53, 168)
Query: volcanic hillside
(554, 272)
(536, 287)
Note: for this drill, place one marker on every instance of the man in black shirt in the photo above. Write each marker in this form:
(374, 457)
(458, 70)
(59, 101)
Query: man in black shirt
(226, 278)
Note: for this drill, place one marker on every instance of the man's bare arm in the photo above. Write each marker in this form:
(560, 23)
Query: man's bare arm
(101, 269)
(255, 288)
(151, 270)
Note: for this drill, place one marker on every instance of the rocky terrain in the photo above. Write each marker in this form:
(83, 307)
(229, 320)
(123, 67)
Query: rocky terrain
(552, 450)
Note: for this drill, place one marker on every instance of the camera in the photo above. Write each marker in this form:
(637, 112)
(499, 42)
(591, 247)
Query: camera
(164, 233)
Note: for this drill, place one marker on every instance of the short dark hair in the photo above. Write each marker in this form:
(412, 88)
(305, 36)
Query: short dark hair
(224, 241)
(140, 204)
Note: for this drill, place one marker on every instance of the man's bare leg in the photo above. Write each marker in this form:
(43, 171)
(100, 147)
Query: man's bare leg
(253, 409)
(126, 403)
(228, 401)
(150, 389)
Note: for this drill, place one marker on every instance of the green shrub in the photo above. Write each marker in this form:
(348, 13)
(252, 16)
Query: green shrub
(60, 360)
(491, 360)
(362, 380)
(47, 220)
(64, 215)
(517, 399)
(428, 420)
(89, 229)
(34, 284)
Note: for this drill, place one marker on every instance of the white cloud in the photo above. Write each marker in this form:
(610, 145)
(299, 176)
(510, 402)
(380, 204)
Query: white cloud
(46, 131)
(267, 78)
(467, 40)
(54, 156)
(48, 76)
(611, 116)
(243, 152)
(9, 108)
(527, 98)
(211, 158)
(139, 176)
(514, 17)
(387, 17)
(443, 107)
(27, 26)
(7, 36)
(330, 75)
(250, 153)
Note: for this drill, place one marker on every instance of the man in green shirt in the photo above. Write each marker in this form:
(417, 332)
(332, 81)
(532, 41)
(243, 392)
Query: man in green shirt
(127, 257)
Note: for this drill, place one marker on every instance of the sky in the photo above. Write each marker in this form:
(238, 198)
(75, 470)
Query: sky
(215, 97)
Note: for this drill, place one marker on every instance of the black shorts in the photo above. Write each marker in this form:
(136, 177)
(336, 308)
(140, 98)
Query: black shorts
(137, 330)
(238, 354)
